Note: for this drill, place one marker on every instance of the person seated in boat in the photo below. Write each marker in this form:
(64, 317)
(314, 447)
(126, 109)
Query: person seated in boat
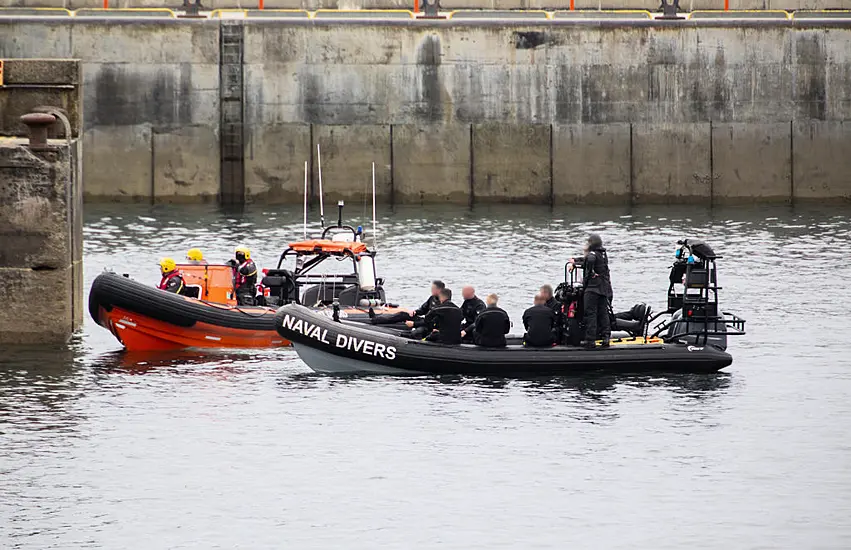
(491, 325)
(244, 276)
(547, 292)
(194, 256)
(412, 315)
(540, 322)
(471, 307)
(172, 280)
(442, 323)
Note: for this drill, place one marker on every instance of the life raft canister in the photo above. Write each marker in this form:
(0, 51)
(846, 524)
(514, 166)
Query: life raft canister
(366, 272)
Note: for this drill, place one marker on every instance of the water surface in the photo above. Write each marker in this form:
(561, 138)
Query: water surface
(250, 449)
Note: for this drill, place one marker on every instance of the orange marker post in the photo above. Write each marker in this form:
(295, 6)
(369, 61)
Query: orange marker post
(416, 6)
(106, 4)
(726, 5)
(260, 5)
(572, 5)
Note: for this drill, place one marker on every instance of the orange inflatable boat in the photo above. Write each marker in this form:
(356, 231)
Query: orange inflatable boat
(144, 318)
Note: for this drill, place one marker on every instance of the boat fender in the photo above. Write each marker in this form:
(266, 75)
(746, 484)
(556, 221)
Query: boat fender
(366, 272)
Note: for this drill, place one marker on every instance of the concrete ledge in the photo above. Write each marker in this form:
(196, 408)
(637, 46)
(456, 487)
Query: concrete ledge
(751, 162)
(31, 83)
(274, 162)
(671, 163)
(822, 160)
(118, 163)
(186, 164)
(347, 156)
(591, 163)
(431, 163)
(511, 163)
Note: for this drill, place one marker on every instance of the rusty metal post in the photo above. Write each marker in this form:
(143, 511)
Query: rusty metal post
(38, 124)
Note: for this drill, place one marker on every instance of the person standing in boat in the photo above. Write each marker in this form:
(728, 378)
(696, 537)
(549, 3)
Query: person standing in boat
(471, 307)
(194, 256)
(442, 323)
(539, 321)
(491, 325)
(172, 280)
(409, 317)
(598, 292)
(244, 276)
(547, 292)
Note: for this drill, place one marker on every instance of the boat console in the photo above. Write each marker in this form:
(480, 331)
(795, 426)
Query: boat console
(693, 312)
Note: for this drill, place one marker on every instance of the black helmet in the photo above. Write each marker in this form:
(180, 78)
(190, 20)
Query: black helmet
(594, 241)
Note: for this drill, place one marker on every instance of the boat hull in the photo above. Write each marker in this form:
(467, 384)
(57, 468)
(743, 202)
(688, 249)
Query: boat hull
(144, 318)
(344, 347)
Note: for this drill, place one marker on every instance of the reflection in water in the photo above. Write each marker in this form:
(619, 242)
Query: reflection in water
(101, 448)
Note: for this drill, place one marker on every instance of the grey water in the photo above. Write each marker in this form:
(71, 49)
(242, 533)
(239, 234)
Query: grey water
(100, 449)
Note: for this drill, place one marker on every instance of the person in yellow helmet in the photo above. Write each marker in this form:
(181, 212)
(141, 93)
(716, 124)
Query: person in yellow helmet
(172, 280)
(244, 277)
(194, 256)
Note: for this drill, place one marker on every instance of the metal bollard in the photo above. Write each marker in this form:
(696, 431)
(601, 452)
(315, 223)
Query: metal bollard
(431, 8)
(669, 11)
(38, 123)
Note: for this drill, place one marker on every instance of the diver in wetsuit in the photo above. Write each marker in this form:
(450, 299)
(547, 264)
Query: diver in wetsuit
(471, 308)
(244, 276)
(598, 292)
(410, 316)
(539, 321)
(546, 291)
(491, 325)
(443, 322)
(172, 278)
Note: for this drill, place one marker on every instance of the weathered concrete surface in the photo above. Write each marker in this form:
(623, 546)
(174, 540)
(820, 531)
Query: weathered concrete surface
(511, 163)
(48, 82)
(751, 161)
(347, 156)
(131, 154)
(591, 163)
(274, 162)
(671, 163)
(40, 244)
(183, 171)
(376, 75)
(822, 160)
(431, 163)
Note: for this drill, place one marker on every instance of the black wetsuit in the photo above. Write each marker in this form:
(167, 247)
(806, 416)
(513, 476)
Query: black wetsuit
(402, 316)
(558, 330)
(173, 282)
(539, 321)
(471, 309)
(446, 319)
(491, 327)
(245, 283)
(598, 292)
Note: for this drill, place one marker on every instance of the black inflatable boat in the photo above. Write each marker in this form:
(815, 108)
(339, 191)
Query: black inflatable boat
(345, 347)
(692, 340)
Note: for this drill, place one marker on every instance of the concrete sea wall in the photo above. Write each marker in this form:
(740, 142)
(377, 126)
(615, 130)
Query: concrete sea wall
(41, 230)
(695, 111)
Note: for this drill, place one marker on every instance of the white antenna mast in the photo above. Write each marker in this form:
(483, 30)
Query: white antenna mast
(321, 203)
(374, 222)
(305, 200)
